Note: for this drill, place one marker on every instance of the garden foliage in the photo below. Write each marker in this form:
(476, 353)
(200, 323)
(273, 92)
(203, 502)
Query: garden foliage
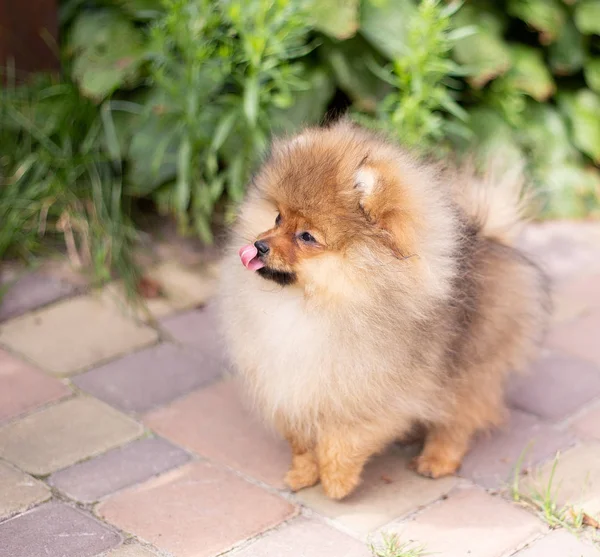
(175, 101)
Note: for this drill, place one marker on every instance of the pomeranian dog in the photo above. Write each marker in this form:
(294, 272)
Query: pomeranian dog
(375, 295)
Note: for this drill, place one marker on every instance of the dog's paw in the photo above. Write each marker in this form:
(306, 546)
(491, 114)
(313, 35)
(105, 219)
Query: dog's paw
(337, 485)
(432, 466)
(304, 472)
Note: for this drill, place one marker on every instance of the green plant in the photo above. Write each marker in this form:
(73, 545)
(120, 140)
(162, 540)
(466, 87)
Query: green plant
(223, 75)
(57, 182)
(174, 101)
(542, 498)
(391, 546)
(414, 112)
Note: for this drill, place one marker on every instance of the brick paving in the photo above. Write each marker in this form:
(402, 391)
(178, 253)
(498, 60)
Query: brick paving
(122, 435)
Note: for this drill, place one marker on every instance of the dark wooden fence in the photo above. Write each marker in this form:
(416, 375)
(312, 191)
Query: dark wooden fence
(29, 35)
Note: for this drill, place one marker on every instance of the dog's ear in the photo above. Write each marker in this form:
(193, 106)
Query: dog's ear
(365, 182)
(386, 203)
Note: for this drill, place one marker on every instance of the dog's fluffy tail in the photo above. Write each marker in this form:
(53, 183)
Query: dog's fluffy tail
(497, 201)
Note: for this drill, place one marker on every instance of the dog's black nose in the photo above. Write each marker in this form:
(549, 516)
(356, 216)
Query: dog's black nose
(262, 247)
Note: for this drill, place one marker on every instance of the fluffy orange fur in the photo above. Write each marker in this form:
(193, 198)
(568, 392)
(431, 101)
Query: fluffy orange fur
(408, 309)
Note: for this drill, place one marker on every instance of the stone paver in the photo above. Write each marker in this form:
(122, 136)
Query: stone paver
(213, 423)
(31, 291)
(389, 491)
(557, 387)
(194, 327)
(23, 388)
(198, 510)
(132, 550)
(579, 337)
(18, 491)
(198, 330)
(304, 538)
(576, 298)
(54, 530)
(576, 479)
(122, 467)
(74, 334)
(491, 461)
(64, 434)
(470, 523)
(184, 287)
(181, 288)
(559, 544)
(165, 371)
(564, 249)
(169, 505)
(587, 426)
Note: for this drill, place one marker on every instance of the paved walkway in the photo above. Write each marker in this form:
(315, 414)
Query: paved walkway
(122, 439)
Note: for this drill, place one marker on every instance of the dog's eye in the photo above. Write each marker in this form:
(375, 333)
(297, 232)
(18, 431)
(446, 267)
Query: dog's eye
(307, 238)
(278, 219)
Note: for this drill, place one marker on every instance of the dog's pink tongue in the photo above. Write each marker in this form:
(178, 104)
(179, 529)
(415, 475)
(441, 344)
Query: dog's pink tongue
(249, 256)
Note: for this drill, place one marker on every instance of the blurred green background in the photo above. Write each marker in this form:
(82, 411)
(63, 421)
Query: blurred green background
(169, 105)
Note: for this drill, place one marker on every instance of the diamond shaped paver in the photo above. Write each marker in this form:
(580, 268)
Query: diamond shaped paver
(65, 433)
(470, 523)
(55, 529)
(389, 490)
(557, 386)
(491, 461)
(32, 291)
(198, 510)
(119, 468)
(576, 480)
(74, 334)
(305, 538)
(579, 337)
(559, 544)
(18, 491)
(587, 426)
(146, 379)
(213, 423)
(23, 388)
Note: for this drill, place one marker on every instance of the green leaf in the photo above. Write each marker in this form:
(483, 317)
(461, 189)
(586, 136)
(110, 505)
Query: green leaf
(143, 10)
(236, 177)
(384, 23)
(571, 190)
(251, 99)
(545, 16)
(592, 74)
(110, 132)
(484, 54)
(203, 229)
(493, 135)
(308, 106)
(108, 52)
(587, 16)
(349, 62)
(151, 157)
(336, 18)
(546, 136)
(223, 129)
(183, 186)
(568, 53)
(529, 72)
(582, 110)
